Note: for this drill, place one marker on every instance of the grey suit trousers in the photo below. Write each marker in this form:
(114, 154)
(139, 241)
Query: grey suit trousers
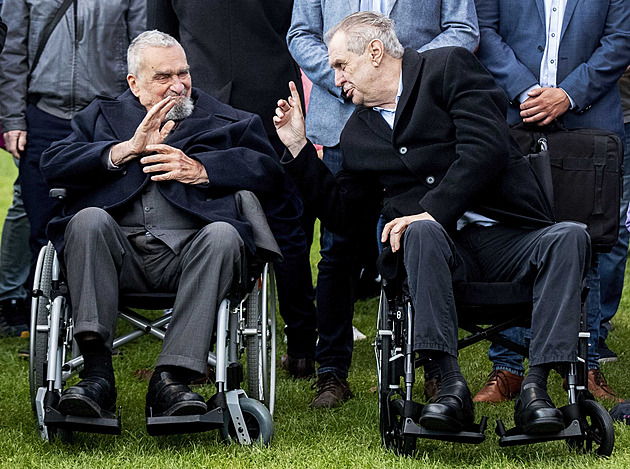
(102, 260)
(553, 259)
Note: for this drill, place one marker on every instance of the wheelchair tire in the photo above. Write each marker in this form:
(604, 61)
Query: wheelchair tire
(258, 421)
(38, 344)
(261, 348)
(394, 440)
(597, 429)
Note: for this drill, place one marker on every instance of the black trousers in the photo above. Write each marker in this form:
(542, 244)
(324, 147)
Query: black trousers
(553, 259)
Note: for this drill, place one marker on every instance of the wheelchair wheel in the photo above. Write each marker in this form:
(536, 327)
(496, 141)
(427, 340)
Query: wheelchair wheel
(391, 429)
(261, 348)
(258, 421)
(597, 429)
(38, 345)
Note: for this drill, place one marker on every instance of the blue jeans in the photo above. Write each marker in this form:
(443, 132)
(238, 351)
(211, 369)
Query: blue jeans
(612, 265)
(15, 256)
(335, 300)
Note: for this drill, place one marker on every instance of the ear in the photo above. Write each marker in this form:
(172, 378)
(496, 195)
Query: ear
(376, 52)
(134, 84)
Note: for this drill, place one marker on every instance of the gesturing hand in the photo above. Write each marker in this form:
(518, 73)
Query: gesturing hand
(289, 122)
(173, 164)
(147, 133)
(397, 227)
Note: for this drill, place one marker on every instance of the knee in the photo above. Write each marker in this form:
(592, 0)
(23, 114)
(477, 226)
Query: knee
(88, 222)
(219, 236)
(425, 230)
(569, 234)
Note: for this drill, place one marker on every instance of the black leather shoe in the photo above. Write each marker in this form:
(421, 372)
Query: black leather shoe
(168, 396)
(535, 413)
(92, 397)
(452, 409)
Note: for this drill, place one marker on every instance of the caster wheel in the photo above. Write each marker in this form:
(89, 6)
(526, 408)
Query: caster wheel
(391, 429)
(258, 421)
(597, 430)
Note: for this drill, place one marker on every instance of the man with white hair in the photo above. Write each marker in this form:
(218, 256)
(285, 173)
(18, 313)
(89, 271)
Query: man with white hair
(151, 177)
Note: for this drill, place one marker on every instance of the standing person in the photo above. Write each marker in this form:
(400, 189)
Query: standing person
(238, 54)
(612, 265)
(556, 59)
(421, 25)
(83, 57)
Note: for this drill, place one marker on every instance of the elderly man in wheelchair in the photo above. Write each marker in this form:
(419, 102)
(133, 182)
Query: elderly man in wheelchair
(428, 143)
(152, 179)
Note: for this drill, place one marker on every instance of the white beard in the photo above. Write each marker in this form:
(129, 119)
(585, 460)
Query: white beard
(183, 108)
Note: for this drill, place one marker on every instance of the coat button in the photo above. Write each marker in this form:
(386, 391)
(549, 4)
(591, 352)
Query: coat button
(541, 48)
(402, 150)
(430, 179)
(147, 209)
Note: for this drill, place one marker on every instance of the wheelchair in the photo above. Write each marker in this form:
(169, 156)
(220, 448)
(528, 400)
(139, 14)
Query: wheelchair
(588, 426)
(246, 324)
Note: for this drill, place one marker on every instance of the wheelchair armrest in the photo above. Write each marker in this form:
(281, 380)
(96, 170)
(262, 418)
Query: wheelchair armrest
(57, 193)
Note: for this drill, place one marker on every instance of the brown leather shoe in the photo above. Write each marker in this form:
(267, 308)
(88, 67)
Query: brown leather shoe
(432, 387)
(331, 391)
(501, 387)
(598, 386)
(298, 368)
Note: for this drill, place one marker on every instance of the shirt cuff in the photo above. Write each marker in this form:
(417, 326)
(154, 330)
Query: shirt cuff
(524, 96)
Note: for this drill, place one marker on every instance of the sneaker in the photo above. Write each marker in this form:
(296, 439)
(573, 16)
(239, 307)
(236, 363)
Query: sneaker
(331, 391)
(605, 354)
(598, 386)
(13, 313)
(500, 387)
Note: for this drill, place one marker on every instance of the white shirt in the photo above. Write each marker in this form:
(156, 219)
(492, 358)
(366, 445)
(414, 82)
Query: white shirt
(554, 16)
(379, 6)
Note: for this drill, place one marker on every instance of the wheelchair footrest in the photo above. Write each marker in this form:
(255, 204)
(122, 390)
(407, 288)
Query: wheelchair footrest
(472, 434)
(174, 425)
(109, 426)
(515, 436)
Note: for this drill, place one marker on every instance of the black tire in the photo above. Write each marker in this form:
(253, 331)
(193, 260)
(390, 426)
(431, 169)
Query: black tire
(255, 388)
(400, 444)
(38, 345)
(597, 429)
(258, 421)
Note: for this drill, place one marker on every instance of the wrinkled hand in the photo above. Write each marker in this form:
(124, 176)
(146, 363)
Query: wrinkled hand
(289, 122)
(147, 133)
(544, 105)
(15, 142)
(173, 165)
(397, 227)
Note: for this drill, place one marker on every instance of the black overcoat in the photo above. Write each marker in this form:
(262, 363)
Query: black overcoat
(449, 152)
(231, 145)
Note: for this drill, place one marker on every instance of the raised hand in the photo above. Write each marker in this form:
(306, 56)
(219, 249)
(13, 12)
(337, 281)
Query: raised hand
(149, 132)
(289, 122)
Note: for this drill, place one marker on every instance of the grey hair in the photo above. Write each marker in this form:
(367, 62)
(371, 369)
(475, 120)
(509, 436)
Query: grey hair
(364, 26)
(144, 41)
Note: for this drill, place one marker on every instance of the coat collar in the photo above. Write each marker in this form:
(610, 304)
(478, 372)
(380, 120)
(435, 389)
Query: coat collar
(411, 66)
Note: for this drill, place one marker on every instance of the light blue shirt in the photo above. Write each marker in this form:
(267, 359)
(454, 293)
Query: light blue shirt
(379, 6)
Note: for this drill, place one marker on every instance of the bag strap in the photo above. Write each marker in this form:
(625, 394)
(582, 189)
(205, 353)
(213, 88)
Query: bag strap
(47, 31)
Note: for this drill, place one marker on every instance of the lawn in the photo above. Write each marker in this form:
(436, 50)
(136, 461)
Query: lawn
(343, 437)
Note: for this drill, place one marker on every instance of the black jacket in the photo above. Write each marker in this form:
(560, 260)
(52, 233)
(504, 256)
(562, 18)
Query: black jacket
(230, 144)
(449, 152)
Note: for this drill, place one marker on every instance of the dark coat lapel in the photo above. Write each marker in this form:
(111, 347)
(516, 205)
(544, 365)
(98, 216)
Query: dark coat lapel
(375, 122)
(123, 115)
(411, 66)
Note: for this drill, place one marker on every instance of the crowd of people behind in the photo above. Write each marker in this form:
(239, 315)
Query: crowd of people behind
(535, 61)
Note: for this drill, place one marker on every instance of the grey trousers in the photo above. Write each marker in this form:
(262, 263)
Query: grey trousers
(101, 261)
(15, 253)
(553, 259)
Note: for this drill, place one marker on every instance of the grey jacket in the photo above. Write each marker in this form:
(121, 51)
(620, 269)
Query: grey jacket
(85, 55)
(420, 25)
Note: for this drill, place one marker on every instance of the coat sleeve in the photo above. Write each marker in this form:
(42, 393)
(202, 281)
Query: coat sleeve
(306, 44)
(136, 18)
(497, 56)
(589, 81)
(3, 34)
(477, 109)
(14, 68)
(459, 26)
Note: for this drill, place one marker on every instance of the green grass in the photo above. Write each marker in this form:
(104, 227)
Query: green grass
(304, 438)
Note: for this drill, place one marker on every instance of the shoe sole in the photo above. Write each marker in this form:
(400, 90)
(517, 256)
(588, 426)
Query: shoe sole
(608, 359)
(543, 426)
(81, 406)
(441, 423)
(182, 408)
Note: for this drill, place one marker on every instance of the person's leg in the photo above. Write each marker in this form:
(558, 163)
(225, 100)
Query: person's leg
(43, 129)
(15, 261)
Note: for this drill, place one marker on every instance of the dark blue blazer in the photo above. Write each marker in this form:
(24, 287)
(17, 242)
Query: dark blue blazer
(594, 51)
(231, 145)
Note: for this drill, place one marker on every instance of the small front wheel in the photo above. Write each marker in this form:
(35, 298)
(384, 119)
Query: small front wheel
(257, 420)
(598, 433)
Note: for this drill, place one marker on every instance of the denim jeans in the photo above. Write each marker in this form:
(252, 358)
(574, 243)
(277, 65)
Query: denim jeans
(612, 265)
(335, 299)
(15, 256)
(505, 359)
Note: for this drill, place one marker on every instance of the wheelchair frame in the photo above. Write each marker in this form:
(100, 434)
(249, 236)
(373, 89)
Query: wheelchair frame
(588, 426)
(243, 325)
